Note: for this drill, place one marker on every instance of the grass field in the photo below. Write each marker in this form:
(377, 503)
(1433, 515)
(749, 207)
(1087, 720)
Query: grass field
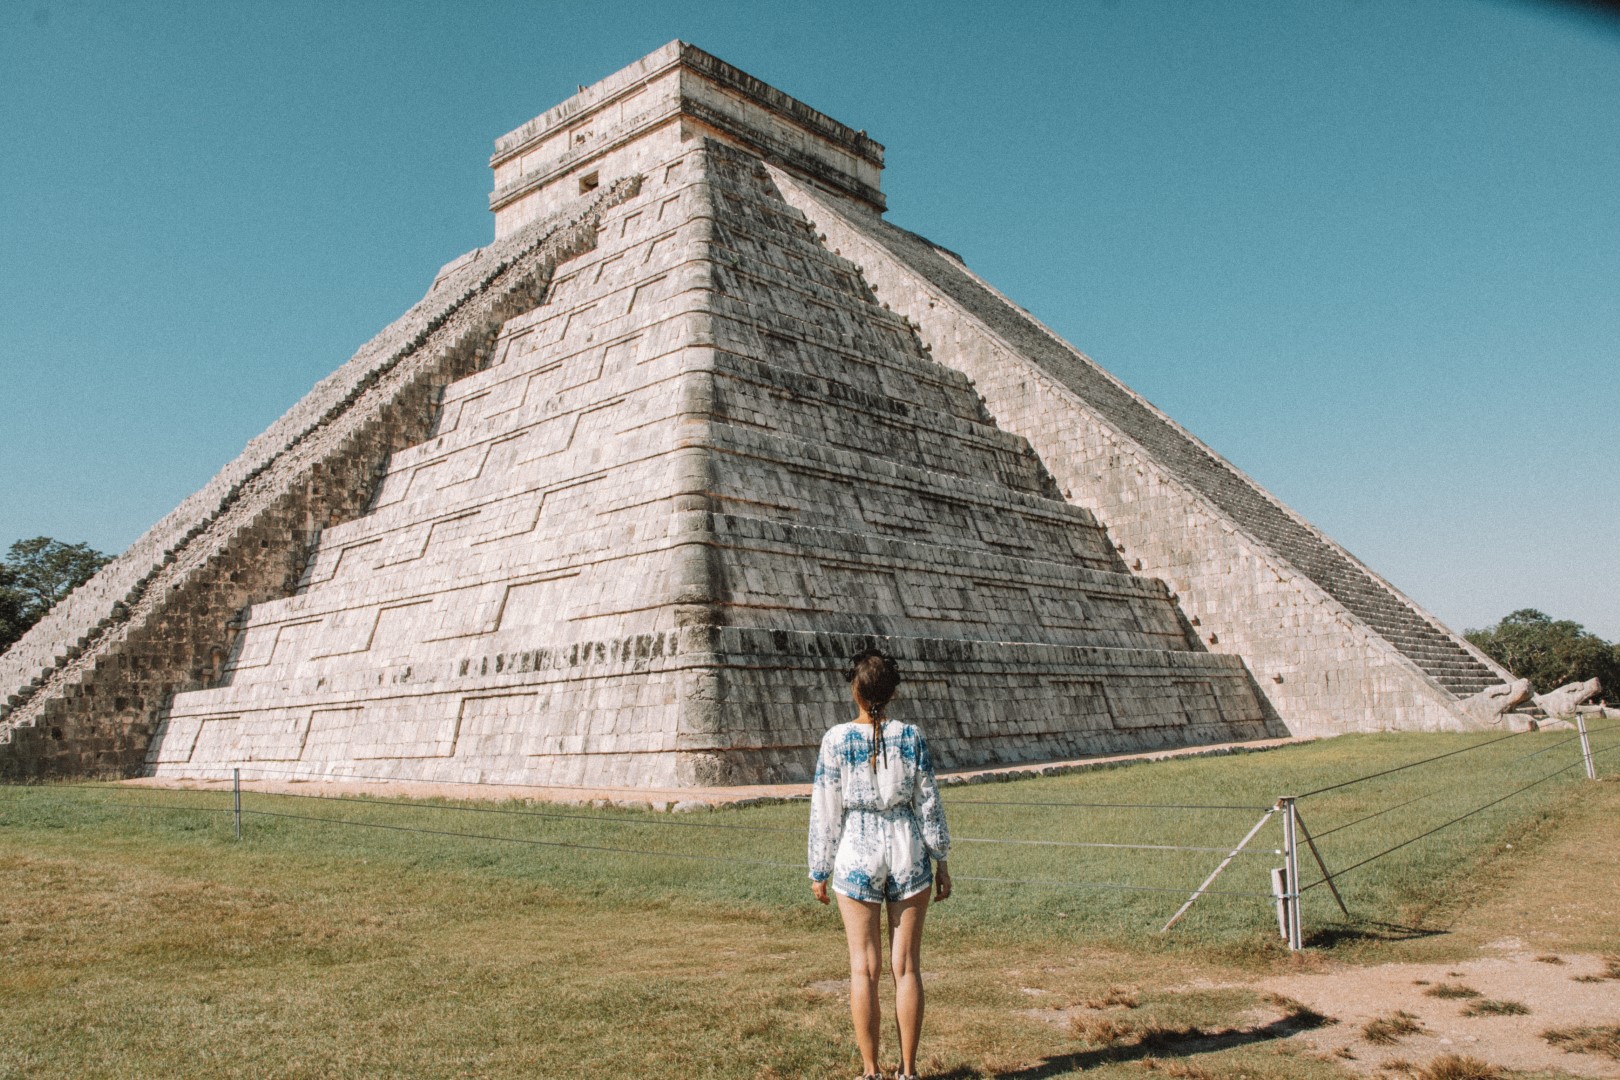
(140, 940)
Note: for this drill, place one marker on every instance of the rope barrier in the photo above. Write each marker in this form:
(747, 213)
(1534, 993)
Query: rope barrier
(1606, 749)
(709, 858)
(1105, 805)
(1092, 844)
(661, 820)
(1597, 741)
(797, 830)
(1411, 765)
(1561, 742)
(165, 806)
(1375, 814)
(271, 773)
(521, 840)
(1432, 794)
(1480, 809)
(1103, 885)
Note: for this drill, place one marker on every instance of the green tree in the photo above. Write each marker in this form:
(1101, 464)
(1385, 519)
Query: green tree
(35, 575)
(1549, 652)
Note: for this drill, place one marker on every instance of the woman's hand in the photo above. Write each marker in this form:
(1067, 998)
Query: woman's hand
(942, 882)
(819, 890)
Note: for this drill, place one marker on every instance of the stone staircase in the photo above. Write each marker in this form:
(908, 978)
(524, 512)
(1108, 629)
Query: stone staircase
(1435, 650)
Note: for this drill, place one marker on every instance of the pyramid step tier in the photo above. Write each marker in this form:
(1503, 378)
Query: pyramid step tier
(753, 702)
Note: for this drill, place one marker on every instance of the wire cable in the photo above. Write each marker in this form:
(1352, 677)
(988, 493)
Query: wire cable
(1445, 825)
(1103, 885)
(662, 820)
(1547, 749)
(165, 806)
(1096, 844)
(519, 839)
(1431, 794)
(1105, 805)
(271, 773)
(1375, 814)
(707, 858)
(1412, 764)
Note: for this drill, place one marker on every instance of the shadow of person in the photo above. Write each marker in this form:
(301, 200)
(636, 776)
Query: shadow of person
(1170, 1043)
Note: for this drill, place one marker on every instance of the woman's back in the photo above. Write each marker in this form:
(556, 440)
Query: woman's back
(877, 829)
(846, 754)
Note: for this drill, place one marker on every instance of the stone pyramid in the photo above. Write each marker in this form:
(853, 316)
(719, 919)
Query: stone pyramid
(615, 501)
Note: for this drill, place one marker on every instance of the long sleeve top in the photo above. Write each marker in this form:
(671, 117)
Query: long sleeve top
(845, 783)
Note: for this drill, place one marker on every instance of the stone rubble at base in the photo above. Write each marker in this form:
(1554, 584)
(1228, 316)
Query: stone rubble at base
(708, 425)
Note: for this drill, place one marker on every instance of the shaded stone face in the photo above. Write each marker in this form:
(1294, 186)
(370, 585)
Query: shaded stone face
(617, 500)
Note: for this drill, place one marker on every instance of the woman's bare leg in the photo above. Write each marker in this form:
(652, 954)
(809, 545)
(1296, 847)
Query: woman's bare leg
(905, 960)
(862, 926)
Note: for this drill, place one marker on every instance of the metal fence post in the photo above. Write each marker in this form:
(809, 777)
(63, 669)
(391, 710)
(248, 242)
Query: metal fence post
(1586, 747)
(1291, 872)
(236, 799)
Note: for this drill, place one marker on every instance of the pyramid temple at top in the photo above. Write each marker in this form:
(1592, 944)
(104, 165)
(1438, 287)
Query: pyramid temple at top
(616, 501)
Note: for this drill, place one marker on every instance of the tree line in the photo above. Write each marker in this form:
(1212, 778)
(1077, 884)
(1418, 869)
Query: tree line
(1550, 652)
(34, 575)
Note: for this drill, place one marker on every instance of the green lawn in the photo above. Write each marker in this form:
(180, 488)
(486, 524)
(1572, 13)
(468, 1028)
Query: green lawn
(138, 940)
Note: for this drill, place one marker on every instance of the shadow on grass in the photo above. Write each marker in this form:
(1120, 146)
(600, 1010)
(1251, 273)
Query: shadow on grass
(1368, 932)
(1156, 1043)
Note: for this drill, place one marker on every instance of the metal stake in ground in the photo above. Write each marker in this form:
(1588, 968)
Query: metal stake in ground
(236, 799)
(1586, 746)
(1326, 875)
(1217, 871)
(1291, 870)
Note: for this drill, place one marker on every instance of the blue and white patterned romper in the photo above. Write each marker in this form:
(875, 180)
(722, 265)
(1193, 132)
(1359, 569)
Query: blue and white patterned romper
(875, 833)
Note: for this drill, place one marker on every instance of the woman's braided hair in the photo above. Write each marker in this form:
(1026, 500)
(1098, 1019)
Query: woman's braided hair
(875, 677)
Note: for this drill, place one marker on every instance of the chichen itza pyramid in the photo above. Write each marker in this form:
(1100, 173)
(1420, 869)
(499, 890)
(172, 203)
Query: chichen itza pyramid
(617, 498)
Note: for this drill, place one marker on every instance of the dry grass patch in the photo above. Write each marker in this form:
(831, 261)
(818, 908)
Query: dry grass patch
(1102, 1030)
(1182, 1070)
(1451, 991)
(1391, 1028)
(1603, 1041)
(1115, 997)
(1496, 1007)
(1549, 958)
(1444, 1067)
(1459, 1067)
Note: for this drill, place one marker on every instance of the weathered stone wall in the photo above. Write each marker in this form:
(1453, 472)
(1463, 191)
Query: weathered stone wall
(1254, 577)
(639, 544)
(644, 112)
(85, 685)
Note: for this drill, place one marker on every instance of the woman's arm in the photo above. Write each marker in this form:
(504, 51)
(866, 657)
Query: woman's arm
(926, 805)
(826, 818)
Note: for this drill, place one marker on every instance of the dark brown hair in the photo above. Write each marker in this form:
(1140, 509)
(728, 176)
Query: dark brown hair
(874, 676)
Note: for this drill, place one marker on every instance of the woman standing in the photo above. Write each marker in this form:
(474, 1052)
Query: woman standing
(877, 832)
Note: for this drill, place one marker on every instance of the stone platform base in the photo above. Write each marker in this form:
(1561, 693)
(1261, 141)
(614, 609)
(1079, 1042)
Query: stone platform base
(668, 799)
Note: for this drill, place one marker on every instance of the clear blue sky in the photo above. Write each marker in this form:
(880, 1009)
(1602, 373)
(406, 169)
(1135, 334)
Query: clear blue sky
(1369, 251)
